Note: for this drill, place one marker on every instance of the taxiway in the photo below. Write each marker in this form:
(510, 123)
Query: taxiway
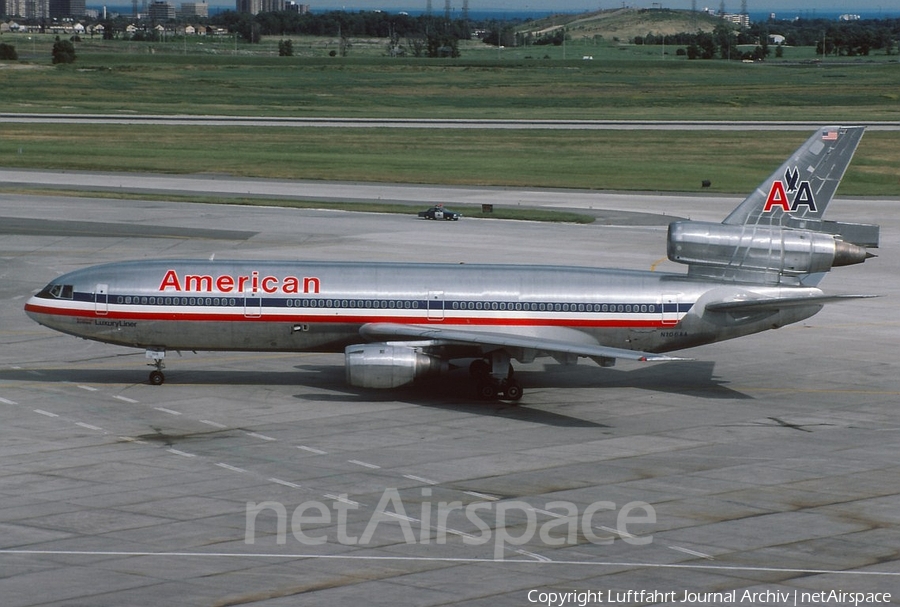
(769, 462)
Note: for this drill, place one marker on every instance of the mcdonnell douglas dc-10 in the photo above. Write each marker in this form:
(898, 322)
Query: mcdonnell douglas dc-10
(397, 322)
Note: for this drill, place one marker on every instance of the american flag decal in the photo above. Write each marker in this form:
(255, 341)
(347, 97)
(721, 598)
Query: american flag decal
(829, 136)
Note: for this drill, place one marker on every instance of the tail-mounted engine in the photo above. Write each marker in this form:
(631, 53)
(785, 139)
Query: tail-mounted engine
(761, 253)
(380, 365)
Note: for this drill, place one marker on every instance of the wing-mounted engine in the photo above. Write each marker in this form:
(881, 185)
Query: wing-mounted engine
(762, 253)
(381, 365)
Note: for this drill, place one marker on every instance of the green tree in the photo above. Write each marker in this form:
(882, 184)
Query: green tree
(109, 29)
(442, 46)
(725, 39)
(501, 34)
(63, 52)
(706, 44)
(285, 48)
(8, 52)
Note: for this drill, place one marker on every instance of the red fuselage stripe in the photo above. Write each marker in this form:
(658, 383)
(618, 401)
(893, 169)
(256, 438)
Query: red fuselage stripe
(420, 318)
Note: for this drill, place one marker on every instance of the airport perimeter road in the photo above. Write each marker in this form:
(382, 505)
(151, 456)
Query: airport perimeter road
(324, 191)
(426, 123)
(767, 465)
(613, 207)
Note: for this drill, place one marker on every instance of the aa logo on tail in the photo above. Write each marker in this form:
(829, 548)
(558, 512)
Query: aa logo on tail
(790, 193)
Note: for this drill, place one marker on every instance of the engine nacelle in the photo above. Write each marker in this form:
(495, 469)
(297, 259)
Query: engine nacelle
(759, 248)
(387, 365)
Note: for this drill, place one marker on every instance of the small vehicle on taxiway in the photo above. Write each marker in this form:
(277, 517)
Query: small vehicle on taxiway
(439, 212)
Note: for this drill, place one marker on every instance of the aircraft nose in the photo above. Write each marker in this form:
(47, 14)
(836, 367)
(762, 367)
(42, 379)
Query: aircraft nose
(31, 308)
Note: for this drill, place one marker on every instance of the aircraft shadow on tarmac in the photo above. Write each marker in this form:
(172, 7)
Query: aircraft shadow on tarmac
(689, 378)
(452, 392)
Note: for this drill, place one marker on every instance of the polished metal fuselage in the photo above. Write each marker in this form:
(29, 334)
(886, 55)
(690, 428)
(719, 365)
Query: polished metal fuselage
(315, 306)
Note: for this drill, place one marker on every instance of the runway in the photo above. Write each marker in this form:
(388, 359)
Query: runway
(766, 464)
(421, 195)
(425, 123)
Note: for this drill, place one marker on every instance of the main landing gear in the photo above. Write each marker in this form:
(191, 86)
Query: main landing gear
(494, 377)
(156, 376)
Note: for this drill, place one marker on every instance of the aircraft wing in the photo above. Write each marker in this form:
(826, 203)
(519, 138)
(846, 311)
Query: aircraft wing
(552, 341)
(773, 304)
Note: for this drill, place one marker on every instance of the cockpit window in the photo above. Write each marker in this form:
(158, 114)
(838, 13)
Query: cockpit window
(57, 292)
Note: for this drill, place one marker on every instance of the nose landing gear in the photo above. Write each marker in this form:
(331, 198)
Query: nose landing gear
(156, 376)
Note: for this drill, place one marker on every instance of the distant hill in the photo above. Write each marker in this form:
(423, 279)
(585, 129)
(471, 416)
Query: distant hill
(624, 23)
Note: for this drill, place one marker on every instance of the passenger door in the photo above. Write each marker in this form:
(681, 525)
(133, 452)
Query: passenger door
(101, 300)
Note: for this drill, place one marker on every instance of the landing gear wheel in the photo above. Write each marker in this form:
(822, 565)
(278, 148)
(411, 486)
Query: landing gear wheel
(156, 355)
(486, 390)
(513, 390)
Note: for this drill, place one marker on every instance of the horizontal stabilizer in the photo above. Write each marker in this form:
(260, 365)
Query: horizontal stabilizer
(778, 303)
(860, 234)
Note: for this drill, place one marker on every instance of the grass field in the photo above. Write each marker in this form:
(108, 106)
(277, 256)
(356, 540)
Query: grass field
(619, 160)
(622, 82)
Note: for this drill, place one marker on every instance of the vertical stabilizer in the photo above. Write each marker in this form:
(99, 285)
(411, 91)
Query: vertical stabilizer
(804, 185)
(777, 235)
